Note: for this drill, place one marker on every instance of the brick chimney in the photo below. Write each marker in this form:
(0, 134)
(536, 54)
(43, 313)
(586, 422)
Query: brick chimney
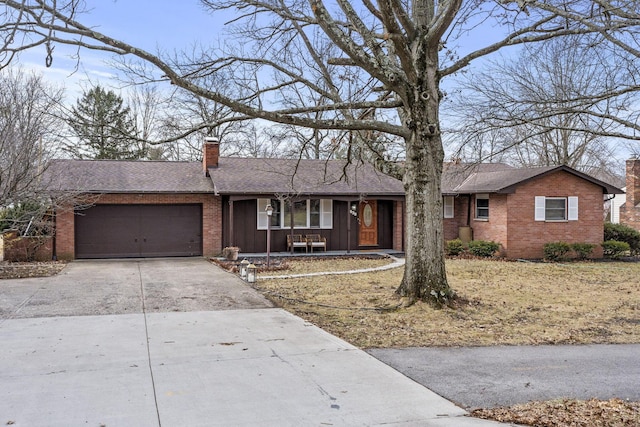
(210, 154)
(630, 210)
(633, 181)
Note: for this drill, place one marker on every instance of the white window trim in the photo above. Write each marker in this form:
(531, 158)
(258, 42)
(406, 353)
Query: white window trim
(326, 215)
(571, 207)
(448, 207)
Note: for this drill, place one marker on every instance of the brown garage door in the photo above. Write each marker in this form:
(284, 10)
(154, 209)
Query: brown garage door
(129, 231)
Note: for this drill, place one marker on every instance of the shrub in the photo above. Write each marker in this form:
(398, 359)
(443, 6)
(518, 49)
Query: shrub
(556, 251)
(615, 249)
(454, 247)
(483, 248)
(623, 233)
(583, 250)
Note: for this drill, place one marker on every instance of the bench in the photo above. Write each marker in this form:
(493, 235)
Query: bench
(316, 241)
(296, 241)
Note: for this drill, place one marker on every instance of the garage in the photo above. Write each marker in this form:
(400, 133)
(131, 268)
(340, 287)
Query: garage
(139, 231)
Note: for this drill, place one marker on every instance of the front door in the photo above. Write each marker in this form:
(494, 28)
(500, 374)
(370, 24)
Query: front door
(368, 216)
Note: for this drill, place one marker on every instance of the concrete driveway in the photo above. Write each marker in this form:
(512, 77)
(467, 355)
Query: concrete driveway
(179, 342)
(122, 287)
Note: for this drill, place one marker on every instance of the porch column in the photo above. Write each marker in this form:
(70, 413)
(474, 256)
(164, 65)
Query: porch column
(230, 223)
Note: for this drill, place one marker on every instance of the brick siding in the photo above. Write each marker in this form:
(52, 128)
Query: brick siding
(211, 219)
(452, 225)
(526, 237)
(630, 210)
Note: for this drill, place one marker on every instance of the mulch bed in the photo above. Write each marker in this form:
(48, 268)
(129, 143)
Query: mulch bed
(280, 263)
(21, 270)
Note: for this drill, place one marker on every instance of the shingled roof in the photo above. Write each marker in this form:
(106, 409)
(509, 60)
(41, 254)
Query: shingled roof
(251, 176)
(505, 180)
(454, 174)
(255, 176)
(120, 176)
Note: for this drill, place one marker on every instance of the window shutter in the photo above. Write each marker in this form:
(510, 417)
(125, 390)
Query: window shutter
(540, 208)
(448, 206)
(326, 213)
(262, 214)
(572, 214)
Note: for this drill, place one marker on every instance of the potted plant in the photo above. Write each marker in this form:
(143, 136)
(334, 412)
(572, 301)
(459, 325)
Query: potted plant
(231, 253)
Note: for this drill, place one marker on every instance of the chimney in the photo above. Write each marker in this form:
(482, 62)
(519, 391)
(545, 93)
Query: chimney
(210, 154)
(633, 182)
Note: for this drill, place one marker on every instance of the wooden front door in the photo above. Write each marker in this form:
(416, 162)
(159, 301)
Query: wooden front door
(368, 219)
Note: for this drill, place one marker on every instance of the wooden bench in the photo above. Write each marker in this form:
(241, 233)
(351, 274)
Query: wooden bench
(296, 241)
(316, 241)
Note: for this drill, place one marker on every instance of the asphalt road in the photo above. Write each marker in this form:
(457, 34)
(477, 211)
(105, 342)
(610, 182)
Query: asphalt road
(501, 376)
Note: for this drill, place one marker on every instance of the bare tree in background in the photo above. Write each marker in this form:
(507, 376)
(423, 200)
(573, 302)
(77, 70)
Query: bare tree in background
(28, 137)
(401, 49)
(148, 107)
(560, 103)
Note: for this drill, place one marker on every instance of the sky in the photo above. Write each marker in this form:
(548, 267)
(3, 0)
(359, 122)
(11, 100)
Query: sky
(147, 24)
(150, 25)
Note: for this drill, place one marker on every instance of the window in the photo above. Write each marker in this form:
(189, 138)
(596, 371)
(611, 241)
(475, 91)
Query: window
(448, 206)
(482, 206)
(556, 208)
(300, 210)
(313, 213)
(262, 213)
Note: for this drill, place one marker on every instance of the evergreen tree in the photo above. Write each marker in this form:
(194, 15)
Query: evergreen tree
(103, 127)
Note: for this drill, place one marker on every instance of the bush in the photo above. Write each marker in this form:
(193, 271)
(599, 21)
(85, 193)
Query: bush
(615, 249)
(26, 217)
(583, 250)
(483, 248)
(623, 233)
(454, 247)
(556, 251)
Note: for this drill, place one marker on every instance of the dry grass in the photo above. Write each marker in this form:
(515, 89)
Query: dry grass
(508, 303)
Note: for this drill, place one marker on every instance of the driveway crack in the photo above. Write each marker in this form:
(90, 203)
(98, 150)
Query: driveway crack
(146, 334)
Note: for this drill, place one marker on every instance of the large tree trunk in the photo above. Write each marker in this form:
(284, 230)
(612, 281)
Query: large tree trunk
(425, 277)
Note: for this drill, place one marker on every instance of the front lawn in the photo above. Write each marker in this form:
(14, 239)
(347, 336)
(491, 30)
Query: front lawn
(510, 303)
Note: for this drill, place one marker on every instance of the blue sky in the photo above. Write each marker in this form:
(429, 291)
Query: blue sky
(147, 24)
(150, 25)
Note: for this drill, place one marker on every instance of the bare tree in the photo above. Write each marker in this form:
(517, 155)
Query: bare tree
(555, 104)
(28, 137)
(400, 49)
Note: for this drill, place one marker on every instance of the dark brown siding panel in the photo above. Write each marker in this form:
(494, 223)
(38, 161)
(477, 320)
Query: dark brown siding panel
(385, 224)
(126, 231)
(251, 240)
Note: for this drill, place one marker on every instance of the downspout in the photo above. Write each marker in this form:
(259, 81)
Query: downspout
(54, 254)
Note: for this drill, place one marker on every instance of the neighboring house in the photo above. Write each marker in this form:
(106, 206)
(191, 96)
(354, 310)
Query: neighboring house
(630, 210)
(146, 209)
(615, 203)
